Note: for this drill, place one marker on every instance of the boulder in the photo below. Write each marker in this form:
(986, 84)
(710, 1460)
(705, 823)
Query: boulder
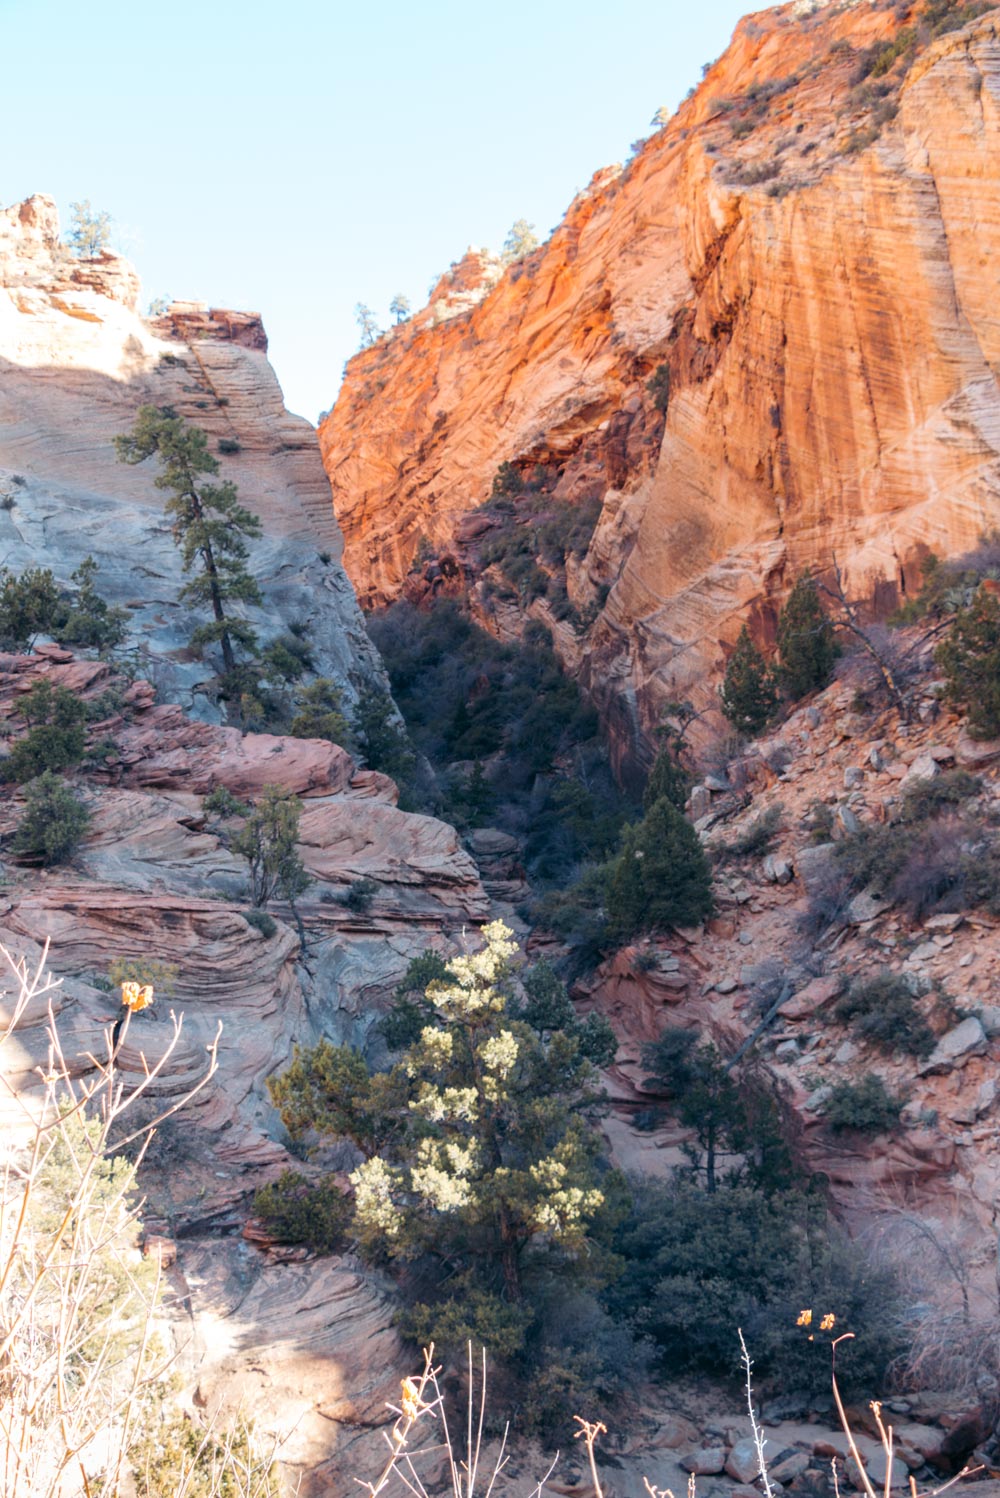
(924, 767)
(879, 1470)
(956, 1046)
(817, 993)
(743, 1462)
(706, 1461)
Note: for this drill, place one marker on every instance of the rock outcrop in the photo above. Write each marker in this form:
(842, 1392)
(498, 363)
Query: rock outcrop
(153, 882)
(803, 252)
(76, 361)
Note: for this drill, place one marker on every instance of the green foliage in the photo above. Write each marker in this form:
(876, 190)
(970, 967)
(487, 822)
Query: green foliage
(660, 878)
(54, 821)
(931, 858)
(734, 1116)
(319, 714)
(547, 1008)
(533, 539)
(699, 1265)
(668, 780)
(467, 698)
(265, 833)
(479, 1156)
(262, 922)
(883, 1010)
(925, 799)
(296, 1210)
(659, 387)
(368, 324)
(381, 737)
(174, 1455)
(210, 526)
(970, 659)
(521, 240)
(89, 232)
(360, 894)
(162, 975)
(89, 618)
(472, 801)
(287, 658)
(229, 446)
(410, 1010)
(862, 1107)
(30, 605)
(507, 482)
(57, 736)
(749, 698)
(807, 649)
(399, 308)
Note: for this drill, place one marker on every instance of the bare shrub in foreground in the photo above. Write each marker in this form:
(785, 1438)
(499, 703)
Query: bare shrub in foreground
(82, 1368)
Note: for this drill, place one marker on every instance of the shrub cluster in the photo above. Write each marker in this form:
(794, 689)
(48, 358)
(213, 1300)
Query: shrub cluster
(884, 1010)
(932, 858)
(53, 823)
(296, 1210)
(862, 1107)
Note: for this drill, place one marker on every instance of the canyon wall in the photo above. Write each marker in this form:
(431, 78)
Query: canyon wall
(153, 882)
(806, 247)
(76, 362)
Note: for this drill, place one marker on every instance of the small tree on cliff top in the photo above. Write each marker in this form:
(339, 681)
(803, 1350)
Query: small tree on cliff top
(477, 1149)
(90, 230)
(209, 525)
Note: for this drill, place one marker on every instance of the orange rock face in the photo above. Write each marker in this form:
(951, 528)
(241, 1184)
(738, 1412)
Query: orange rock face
(807, 248)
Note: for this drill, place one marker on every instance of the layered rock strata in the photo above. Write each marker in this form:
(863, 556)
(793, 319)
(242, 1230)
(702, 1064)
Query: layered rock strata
(804, 250)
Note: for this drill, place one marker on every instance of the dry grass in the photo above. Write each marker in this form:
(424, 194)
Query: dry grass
(82, 1367)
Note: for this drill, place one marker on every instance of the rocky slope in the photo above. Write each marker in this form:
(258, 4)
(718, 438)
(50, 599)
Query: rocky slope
(804, 248)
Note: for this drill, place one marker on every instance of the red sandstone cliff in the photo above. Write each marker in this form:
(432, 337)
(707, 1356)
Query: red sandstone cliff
(819, 275)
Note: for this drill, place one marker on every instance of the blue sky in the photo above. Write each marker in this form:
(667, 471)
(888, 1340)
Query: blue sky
(298, 158)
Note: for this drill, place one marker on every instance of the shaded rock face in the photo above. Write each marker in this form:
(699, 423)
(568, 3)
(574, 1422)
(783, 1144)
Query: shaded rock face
(815, 286)
(76, 361)
(309, 1347)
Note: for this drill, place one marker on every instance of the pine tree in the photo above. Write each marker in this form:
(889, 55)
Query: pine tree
(667, 780)
(399, 307)
(807, 648)
(265, 833)
(660, 878)
(749, 699)
(209, 525)
(368, 323)
(970, 658)
(381, 736)
(30, 605)
(90, 232)
(319, 714)
(478, 1153)
(520, 241)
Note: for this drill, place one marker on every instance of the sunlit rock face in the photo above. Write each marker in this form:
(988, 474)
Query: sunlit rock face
(815, 275)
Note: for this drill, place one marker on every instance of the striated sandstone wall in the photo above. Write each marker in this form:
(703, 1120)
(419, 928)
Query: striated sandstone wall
(825, 304)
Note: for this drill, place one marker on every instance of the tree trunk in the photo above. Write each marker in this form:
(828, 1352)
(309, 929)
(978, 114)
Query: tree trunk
(509, 1260)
